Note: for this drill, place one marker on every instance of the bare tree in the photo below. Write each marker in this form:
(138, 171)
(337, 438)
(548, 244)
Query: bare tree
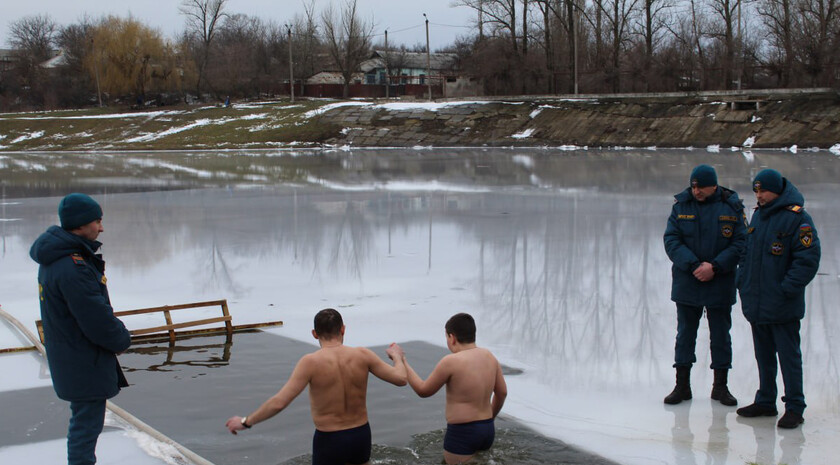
(618, 14)
(498, 14)
(778, 18)
(819, 27)
(33, 37)
(650, 27)
(203, 17)
(348, 39)
(306, 44)
(546, 10)
(725, 30)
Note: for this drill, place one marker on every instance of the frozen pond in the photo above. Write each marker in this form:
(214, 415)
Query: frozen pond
(558, 254)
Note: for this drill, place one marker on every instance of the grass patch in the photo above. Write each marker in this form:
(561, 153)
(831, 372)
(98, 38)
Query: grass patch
(169, 128)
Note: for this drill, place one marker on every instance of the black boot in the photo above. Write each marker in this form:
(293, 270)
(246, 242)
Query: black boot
(719, 390)
(682, 391)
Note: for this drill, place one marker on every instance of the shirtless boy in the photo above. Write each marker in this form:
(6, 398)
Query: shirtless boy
(475, 391)
(337, 377)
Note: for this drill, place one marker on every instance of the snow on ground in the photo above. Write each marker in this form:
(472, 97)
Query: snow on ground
(144, 114)
(31, 135)
(157, 135)
(523, 134)
(122, 444)
(396, 106)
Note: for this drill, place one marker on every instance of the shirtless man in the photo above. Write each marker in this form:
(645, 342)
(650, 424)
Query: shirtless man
(475, 391)
(337, 377)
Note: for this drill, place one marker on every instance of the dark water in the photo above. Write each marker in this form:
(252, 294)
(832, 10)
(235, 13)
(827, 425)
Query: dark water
(188, 390)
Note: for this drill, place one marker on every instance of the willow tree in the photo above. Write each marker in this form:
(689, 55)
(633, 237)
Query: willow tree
(126, 55)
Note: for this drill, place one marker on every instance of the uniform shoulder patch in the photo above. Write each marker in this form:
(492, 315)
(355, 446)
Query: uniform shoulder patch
(806, 235)
(795, 208)
(77, 259)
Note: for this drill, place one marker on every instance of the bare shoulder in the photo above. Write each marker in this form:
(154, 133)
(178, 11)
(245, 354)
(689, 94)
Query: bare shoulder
(365, 354)
(308, 360)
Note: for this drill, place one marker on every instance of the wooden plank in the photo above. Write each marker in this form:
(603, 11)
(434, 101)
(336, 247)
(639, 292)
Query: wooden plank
(204, 332)
(11, 350)
(187, 324)
(168, 318)
(140, 311)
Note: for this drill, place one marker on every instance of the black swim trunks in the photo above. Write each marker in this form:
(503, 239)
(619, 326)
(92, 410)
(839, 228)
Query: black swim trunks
(468, 438)
(341, 447)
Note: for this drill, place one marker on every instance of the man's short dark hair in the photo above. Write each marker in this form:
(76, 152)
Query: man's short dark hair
(462, 326)
(328, 323)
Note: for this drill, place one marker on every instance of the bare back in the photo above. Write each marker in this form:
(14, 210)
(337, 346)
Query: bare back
(473, 375)
(338, 386)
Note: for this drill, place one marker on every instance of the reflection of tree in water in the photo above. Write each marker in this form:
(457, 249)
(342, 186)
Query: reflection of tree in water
(352, 241)
(572, 277)
(220, 275)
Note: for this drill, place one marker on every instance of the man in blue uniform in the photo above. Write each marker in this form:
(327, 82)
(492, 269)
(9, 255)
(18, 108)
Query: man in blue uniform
(782, 257)
(81, 334)
(704, 240)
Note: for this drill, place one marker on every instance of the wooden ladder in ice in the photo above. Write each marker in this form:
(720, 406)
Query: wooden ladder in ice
(171, 329)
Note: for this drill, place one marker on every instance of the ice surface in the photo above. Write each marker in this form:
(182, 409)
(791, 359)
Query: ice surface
(567, 278)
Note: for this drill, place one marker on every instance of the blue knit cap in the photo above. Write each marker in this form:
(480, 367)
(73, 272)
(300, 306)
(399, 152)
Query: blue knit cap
(769, 180)
(76, 210)
(703, 176)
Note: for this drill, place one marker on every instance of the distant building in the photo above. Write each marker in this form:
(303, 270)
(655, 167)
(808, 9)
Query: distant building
(412, 67)
(408, 67)
(406, 72)
(58, 60)
(8, 58)
(332, 77)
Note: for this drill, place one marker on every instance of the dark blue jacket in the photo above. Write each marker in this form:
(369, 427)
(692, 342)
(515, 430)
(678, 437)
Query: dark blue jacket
(782, 257)
(711, 231)
(81, 334)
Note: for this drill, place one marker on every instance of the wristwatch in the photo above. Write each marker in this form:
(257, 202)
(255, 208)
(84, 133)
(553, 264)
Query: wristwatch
(244, 422)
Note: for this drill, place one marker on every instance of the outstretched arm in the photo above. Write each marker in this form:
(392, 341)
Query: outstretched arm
(393, 374)
(439, 376)
(276, 403)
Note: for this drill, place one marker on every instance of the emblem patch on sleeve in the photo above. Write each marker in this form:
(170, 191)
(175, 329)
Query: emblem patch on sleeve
(806, 235)
(777, 248)
(104, 280)
(77, 259)
(726, 230)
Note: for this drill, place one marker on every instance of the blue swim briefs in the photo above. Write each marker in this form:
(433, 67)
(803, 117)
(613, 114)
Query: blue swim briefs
(468, 438)
(341, 447)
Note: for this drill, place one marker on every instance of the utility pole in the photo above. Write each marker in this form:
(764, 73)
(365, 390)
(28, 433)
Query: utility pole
(740, 56)
(96, 71)
(428, 59)
(387, 68)
(291, 68)
(575, 18)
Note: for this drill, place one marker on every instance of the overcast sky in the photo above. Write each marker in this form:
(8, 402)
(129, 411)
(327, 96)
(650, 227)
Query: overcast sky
(402, 18)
